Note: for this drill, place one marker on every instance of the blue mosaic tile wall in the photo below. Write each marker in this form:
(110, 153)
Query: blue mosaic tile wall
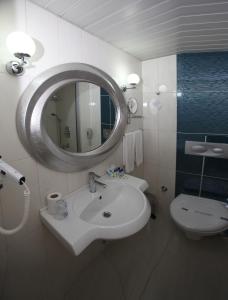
(107, 115)
(202, 115)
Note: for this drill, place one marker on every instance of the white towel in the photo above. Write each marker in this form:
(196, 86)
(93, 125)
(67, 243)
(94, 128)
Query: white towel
(129, 152)
(138, 147)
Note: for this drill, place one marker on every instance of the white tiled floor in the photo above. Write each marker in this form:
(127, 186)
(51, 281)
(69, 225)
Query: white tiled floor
(158, 263)
(190, 270)
(25, 264)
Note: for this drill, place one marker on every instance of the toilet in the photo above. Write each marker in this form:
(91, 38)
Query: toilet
(199, 217)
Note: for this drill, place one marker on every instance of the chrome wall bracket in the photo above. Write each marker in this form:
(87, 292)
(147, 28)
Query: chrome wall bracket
(16, 68)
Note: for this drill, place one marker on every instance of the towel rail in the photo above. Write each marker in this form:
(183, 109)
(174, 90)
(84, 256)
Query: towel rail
(132, 116)
(136, 117)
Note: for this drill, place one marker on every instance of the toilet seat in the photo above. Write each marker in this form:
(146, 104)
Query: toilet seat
(200, 215)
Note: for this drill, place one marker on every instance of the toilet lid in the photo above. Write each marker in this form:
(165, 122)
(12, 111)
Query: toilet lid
(199, 214)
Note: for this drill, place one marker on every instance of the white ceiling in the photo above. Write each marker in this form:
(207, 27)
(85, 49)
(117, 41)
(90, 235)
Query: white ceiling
(150, 28)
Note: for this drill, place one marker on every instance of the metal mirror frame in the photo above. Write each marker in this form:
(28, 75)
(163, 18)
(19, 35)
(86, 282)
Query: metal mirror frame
(32, 132)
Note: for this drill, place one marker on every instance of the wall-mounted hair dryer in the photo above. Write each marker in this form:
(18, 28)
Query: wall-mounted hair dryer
(8, 171)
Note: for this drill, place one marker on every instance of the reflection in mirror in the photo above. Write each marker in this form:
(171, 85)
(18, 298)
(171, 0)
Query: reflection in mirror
(79, 117)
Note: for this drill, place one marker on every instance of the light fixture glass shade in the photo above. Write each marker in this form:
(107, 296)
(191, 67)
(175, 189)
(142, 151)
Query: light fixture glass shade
(133, 79)
(20, 42)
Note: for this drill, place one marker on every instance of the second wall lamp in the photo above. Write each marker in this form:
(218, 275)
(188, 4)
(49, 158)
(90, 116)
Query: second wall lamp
(132, 81)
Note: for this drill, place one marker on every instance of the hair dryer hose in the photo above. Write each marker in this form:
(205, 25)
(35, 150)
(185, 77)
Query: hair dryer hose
(25, 216)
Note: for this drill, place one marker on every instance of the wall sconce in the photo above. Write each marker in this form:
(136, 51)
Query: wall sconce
(132, 80)
(22, 47)
(161, 89)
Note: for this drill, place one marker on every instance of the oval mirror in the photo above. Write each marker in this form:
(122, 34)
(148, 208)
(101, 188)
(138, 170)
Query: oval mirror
(79, 116)
(71, 117)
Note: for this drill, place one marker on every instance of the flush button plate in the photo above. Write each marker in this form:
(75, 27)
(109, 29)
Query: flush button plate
(216, 150)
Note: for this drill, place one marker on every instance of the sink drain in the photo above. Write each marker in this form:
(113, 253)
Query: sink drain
(107, 214)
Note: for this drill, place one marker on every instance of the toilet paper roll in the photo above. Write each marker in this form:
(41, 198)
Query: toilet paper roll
(52, 202)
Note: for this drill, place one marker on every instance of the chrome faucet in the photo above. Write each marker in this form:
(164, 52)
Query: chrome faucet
(93, 182)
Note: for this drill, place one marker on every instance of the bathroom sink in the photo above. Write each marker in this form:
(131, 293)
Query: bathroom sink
(116, 205)
(116, 211)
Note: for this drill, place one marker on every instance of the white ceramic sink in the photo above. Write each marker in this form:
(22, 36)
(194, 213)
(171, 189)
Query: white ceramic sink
(114, 212)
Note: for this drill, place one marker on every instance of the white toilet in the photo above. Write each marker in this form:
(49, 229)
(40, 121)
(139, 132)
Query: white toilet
(199, 217)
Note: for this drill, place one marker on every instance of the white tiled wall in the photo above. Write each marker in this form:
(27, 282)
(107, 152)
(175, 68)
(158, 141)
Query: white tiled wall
(160, 126)
(33, 265)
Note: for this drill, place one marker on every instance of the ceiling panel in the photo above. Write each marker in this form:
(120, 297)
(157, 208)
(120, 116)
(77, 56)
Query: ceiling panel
(150, 28)
(98, 11)
(172, 35)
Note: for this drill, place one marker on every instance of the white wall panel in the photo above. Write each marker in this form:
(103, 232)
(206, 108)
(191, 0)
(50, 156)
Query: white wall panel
(160, 126)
